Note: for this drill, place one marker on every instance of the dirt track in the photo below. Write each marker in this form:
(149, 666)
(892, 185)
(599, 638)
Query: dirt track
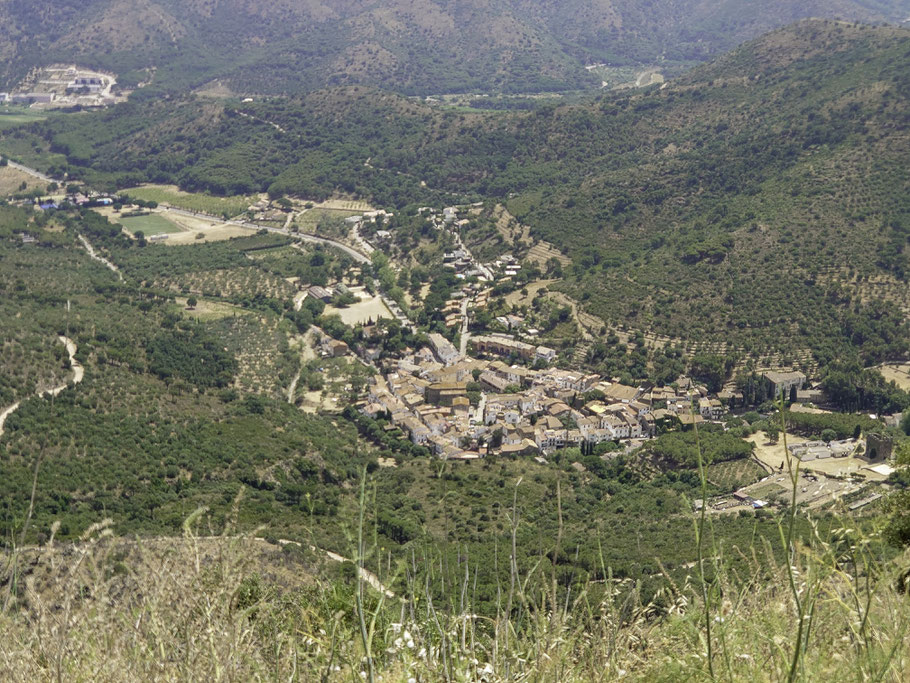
(78, 375)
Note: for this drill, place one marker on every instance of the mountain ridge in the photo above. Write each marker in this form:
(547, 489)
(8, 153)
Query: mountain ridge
(411, 46)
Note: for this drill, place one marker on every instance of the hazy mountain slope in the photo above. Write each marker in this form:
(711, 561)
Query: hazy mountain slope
(413, 46)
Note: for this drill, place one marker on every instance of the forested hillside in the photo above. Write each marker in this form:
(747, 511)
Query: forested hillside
(762, 197)
(423, 46)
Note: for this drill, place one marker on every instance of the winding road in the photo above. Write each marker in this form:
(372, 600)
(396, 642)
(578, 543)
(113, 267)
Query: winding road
(100, 259)
(78, 375)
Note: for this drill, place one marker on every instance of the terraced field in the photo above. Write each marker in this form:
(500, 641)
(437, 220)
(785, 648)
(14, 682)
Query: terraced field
(543, 251)
(353, 205)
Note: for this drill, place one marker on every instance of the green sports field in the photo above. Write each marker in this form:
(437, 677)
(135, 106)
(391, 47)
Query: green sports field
(153, 224)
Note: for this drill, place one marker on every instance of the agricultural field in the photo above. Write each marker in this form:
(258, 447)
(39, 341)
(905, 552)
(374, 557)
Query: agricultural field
(204, 234)
(355, 206)
(11, 117)
(208, 311)
(261, 344)
(734, 474)
(193, 201)
(236, 283)
(153, 224)
(325, 222)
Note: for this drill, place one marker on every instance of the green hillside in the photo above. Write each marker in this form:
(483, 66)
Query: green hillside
(761, 197)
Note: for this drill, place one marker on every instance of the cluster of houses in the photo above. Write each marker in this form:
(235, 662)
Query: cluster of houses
(507, 266)
(325, 294)
(461, 261)
(506, 346)
(821, 450)
(520, 411)
(477, 294)
(265, 211)
(377, 217)
(88, 201)
(86, 84)
(63, 85)
(468, 407)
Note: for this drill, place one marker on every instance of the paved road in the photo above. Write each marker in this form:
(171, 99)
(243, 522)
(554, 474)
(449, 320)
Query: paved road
(32, 172)
(465, 335)
(358, 239)
(481, 409)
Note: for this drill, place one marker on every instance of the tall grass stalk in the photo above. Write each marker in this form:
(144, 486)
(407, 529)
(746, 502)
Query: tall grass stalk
(800, 602)
(700, 530)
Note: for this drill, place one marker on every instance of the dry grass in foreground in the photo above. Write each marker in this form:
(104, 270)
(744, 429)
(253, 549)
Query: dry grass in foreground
(228, 608)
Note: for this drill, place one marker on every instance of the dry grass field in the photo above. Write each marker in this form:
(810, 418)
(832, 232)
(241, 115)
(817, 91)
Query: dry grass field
(899, 373)
(11, 181)
(210, 232)
(369, 308)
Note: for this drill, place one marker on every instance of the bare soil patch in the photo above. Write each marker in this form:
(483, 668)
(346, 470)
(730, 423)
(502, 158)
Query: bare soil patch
(775, 455)
(212, 233)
